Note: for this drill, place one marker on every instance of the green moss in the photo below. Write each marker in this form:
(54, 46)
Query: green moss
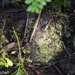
(48, 43)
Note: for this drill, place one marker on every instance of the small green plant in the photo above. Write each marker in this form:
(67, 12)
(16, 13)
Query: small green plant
(4, 60)
(36, 5)
(4, 57)
(21, 70)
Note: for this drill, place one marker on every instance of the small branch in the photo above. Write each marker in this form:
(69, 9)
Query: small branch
(66, 50)
(35, 28)
(14, 11)
(48, 23)
(25, 29)
(58, 70)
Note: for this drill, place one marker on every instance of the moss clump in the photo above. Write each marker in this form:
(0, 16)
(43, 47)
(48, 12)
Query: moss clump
(47, 43)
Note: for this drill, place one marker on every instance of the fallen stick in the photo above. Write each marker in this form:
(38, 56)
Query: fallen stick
(35, 28)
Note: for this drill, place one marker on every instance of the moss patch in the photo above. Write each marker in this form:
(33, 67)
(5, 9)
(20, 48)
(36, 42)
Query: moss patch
(47, 43)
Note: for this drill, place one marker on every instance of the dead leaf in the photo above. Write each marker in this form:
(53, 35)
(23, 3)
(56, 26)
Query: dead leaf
(37, 72)
(10, 46)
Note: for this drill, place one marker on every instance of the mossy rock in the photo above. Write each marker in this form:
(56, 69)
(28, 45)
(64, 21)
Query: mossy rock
(47, 43)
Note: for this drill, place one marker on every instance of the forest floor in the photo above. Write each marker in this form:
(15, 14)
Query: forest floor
(16, 16)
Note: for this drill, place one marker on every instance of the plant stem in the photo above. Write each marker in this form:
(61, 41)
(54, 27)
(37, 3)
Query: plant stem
(19, 47)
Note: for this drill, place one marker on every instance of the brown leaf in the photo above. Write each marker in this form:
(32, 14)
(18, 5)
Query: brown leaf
(37, 72)
(10, 46)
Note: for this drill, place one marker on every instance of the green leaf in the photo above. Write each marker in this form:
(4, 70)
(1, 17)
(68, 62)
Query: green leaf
(37, 10)
(2, 63)
(38, 0)
(48, 0)
(13, 52)
(29, 60)
(43, 3)
(40, 6)
(30, 8)
(21, 71)
(24, 51)
(28, 1)
(9, 62)
(6, 65)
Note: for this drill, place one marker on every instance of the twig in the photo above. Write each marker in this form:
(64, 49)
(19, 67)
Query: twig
(26, 25)
(25, 29)
(14, 11)
(66, 50)
(50, 64)
(58, 69)
(48, 23)
(35, 28)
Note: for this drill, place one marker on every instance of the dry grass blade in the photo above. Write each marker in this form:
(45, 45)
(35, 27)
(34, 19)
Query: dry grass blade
(35, 28)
